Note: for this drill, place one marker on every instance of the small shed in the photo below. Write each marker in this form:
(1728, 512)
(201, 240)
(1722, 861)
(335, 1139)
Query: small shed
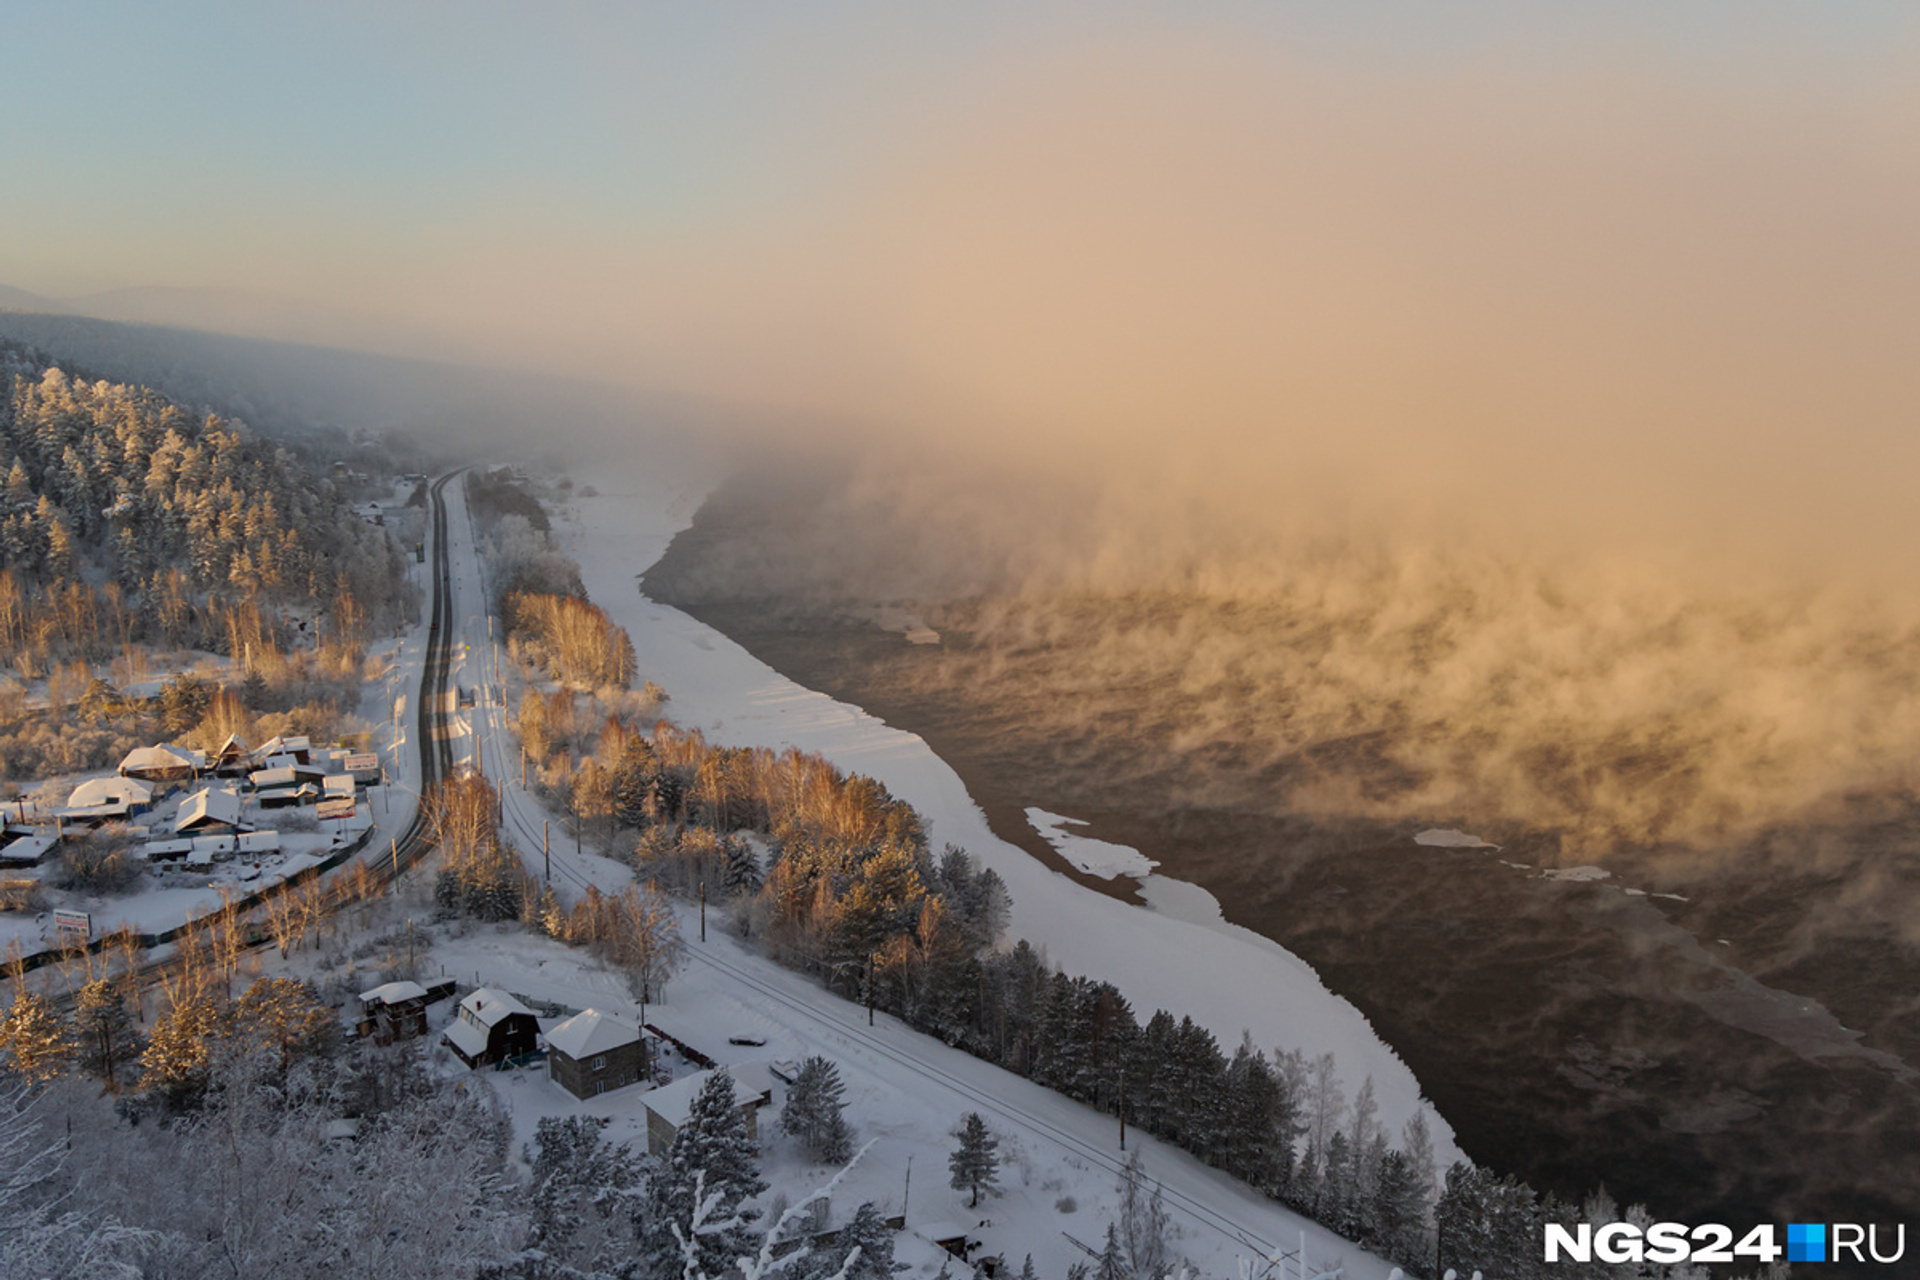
(337, 786)
(163, 762)
(393, 1011)
(490, 1026)
(167, 850)
(29, 850)
(287, 797)
(592, 1052)
(208, 811)
(669, 1106)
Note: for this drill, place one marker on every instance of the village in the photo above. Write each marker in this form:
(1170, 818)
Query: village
(239, 818)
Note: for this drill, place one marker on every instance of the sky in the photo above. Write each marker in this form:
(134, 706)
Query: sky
(1464, 250)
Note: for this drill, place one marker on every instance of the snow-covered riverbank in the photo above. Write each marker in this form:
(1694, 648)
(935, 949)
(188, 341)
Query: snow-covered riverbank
(1176, 953)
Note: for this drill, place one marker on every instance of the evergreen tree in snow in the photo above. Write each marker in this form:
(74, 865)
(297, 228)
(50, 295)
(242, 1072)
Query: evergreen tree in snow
(1113, 1259)
(33, 1043)
(1144, 1224)
(867, 1232)
(975, 1164)
(1396, 1212)
(712, 1150)
(100, 1013)
(586, 1193)
(813, 1111)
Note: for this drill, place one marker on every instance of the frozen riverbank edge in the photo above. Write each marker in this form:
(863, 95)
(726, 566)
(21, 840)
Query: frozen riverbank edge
(1175, 952)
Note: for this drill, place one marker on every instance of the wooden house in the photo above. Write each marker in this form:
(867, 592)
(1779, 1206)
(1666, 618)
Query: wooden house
(210, 811)
(592, 1052)
(393, 1011)
(490, 1026)
(163, 762)
(669, 1106)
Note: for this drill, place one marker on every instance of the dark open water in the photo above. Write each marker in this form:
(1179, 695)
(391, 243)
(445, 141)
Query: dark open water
(1741, 1056)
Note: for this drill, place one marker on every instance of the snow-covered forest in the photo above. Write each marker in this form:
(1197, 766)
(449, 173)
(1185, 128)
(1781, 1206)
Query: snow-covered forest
(129, 519)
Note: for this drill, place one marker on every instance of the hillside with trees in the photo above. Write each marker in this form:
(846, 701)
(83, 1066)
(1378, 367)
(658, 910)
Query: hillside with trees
(135, 535)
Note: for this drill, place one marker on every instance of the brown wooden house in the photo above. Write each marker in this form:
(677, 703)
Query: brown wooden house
(491, 1026)
(592, 1052)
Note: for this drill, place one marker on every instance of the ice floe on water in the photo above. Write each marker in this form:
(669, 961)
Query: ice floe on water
(1095, 857)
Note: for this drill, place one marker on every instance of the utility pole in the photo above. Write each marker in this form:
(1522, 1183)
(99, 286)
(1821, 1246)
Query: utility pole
(907, 1191)
(1123, 1107)
(703, 910)
(546, 851)
(869, 988)
(394, 841)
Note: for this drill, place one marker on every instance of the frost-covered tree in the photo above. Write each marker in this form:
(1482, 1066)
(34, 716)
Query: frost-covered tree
(586, 1194)
(34, 1043)
(39, 1236)
(974, 1165)
(814, 1110)
(100, 1014)
(712, 1156)
(1144, 1225)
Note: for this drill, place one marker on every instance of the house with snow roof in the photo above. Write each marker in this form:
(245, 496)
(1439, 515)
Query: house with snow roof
(99, 800)
(163, 762)
(592, 1052)
(669, 1106)
(393, 1011)
(233, 759)
(491, 1026)
(209, 811)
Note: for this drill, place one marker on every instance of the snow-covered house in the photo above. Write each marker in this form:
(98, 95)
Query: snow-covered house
(337, 786)
(296, 746)
(27, 850)
(209, 811)
(287, 797)
(490, 1026)
(669, 1106)
(163, 762)
(233, 759)
(592, 1052)
(100, 800)
(393, 1011)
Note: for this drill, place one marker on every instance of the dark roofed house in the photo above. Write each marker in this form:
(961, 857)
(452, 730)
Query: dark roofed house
(393, 1011)
(232, 760)
(592, 1052)
(491, 1026)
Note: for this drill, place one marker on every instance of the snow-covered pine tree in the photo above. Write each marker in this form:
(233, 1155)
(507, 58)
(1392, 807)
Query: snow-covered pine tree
(814, 1111)
(866, 1231)
(975, 1164)
(586, 1193)
(1144, 1225)
(1396, 1212)
(33, 1042)
(1112, 1264)
(100, 1013)
(712, 1142)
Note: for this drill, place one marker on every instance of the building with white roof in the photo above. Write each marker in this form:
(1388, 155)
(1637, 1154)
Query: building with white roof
(592, 1052)
(208, 810)
(163, 762)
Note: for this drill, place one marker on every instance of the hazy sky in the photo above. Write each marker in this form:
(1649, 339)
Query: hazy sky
(1667, 249)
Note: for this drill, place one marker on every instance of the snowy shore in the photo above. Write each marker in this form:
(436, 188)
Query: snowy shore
(1174, 952)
